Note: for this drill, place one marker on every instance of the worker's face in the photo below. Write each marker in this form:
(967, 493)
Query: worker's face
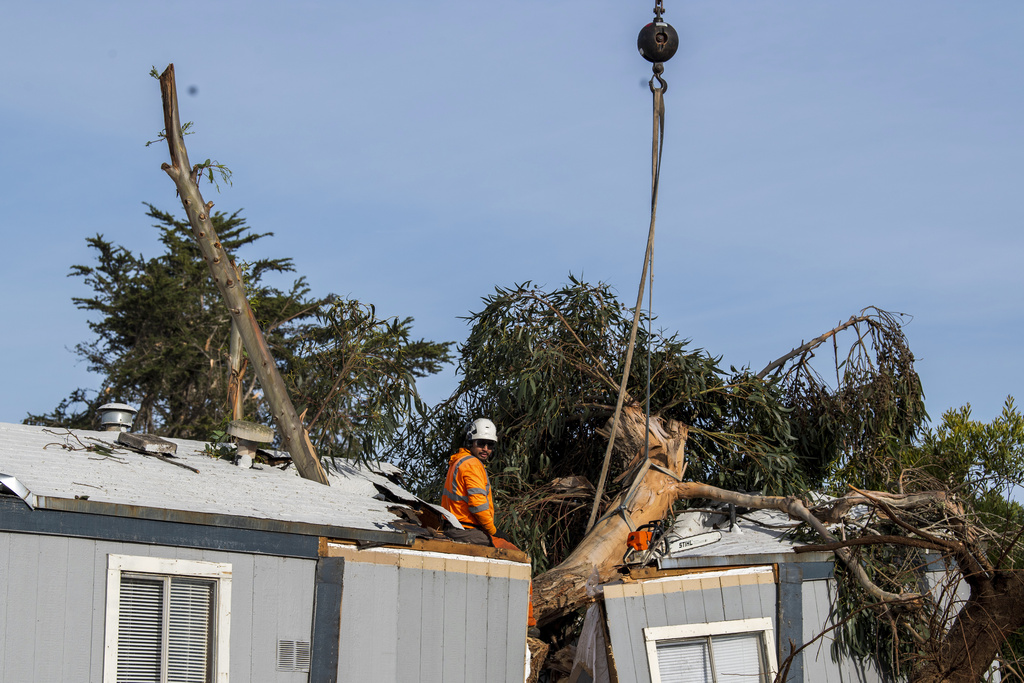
(481, 449)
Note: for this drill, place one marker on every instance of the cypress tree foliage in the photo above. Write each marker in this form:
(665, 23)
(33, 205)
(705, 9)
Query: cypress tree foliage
(162, 335)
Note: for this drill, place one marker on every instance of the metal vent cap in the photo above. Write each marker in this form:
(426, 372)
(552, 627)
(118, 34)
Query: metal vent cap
(116, 417)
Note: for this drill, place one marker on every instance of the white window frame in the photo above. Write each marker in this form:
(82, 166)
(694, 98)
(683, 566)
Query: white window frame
(763, 626)
(117, 565)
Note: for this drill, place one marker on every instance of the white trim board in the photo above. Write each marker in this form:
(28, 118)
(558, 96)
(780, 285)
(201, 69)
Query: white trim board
(159, 566)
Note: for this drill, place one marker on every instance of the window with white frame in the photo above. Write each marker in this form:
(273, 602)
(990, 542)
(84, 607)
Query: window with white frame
(167, 620)
(741, 651)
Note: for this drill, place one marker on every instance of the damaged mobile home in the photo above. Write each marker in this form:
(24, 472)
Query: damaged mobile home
(124, 562)
(726, 603)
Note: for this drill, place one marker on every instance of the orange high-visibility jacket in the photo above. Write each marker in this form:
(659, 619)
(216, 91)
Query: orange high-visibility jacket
(467, 492)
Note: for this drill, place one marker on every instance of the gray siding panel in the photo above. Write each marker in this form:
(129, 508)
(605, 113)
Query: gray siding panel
(456, 635)
(434, 627)
(22, 596)
(446, 624)
(294, 620)
(675, 607)
(750, 601)
(636, 621)
(656, 612)
(5, 586)
(618, 634)
(732, 600)
(498, 592)
(78, 611)
(55, 603)
(515, 657)
(818, 600)
(382, 620)
(50, 604)
(818, 664)
(801, 609)
(477, 636)
(694, 603)
(410, 624)
(242, 593)
(629, 616)
(265, 608)
(714, 605)
(358, 601)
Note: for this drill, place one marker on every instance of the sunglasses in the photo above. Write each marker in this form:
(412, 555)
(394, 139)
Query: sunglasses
(481, 443)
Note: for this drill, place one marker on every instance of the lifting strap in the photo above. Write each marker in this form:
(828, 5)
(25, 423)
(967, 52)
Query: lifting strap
(657, 146)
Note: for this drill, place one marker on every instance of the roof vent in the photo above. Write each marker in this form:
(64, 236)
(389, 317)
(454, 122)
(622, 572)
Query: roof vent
(249, 436)
(116, 417)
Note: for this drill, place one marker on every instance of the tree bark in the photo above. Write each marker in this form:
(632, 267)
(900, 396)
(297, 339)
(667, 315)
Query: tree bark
(965, 653)
(231, 288)
(563, 588)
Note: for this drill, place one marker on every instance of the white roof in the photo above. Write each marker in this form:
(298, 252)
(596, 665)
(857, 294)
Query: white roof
(68, 470)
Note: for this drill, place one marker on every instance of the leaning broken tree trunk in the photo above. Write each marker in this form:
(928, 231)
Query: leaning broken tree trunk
(237, 369)
(649, 498)
(221, 269)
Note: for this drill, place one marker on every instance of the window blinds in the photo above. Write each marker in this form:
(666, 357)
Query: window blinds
(734, 658)
(164, 630)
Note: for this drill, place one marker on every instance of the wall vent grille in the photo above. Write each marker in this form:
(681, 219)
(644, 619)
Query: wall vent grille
(293, 655)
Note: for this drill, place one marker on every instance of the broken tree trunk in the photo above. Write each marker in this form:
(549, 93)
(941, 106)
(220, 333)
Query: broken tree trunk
(185, 178)
(237, 369)
(991, 614)
(649, 498)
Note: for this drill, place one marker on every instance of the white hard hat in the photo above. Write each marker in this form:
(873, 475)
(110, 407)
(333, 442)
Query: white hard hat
(483, 429)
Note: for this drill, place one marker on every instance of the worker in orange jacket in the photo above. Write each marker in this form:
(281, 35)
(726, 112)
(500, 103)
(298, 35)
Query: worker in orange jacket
(467, 490)
(467, 494)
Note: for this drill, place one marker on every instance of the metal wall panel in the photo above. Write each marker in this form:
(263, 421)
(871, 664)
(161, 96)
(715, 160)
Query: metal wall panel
(55, 602)
(618, 637)
(477, 623)
(411, 635)
(687, 600)
(498, 625)
(434, 625)
(50, 634)
(818, 664)
(79, 611)
(22, 596)
(384, 625)
(515, 640)
(369, 623)
(5, 586)
(636, 620)
(714, 604)
(413, 616)
(453, 655)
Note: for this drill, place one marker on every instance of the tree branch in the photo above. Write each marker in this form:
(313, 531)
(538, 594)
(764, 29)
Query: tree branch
(813, 344)
(796, 509)
(870, 540)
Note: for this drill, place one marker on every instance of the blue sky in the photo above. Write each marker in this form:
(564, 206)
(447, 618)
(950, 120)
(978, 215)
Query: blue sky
(820, 157)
